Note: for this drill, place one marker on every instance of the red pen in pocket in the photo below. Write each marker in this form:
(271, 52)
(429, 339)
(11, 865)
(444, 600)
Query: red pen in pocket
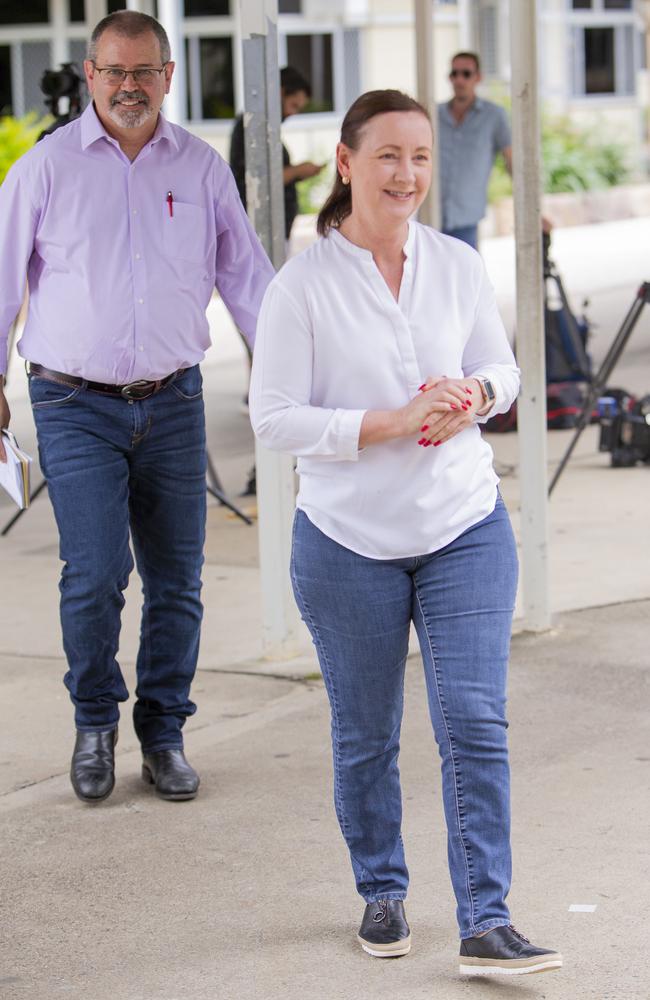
(170, 204)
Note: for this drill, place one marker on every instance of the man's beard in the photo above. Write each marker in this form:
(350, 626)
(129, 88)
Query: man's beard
(130, 117)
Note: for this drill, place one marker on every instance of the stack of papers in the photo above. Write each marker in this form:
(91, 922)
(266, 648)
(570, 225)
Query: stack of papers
(14, 473)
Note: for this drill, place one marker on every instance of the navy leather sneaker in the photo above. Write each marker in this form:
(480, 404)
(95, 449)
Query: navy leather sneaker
(384, 932)
(505, 951)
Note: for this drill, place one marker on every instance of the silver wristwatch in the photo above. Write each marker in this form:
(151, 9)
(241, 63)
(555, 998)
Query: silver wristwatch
(489, 395)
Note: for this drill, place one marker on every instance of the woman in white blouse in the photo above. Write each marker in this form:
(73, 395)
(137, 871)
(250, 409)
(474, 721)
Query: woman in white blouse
(379, 350)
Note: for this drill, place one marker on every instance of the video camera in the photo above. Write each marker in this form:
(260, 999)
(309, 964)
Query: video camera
(624, 428)
(59, 83)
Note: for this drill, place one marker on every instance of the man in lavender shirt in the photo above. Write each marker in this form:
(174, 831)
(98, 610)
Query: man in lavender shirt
(123, 224)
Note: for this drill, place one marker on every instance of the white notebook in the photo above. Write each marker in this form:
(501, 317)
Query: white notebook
(14, 473)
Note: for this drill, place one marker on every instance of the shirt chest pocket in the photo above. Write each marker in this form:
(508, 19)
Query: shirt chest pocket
(185, 232)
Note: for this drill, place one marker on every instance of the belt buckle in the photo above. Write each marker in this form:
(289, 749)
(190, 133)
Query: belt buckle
(130, 391)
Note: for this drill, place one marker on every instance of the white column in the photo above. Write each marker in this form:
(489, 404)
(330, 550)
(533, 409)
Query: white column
(170, 16)
(59, 21)
(429, 212)
(464, 25)
(531, 407)
(265, 199)
(142, 6)
(95, 11)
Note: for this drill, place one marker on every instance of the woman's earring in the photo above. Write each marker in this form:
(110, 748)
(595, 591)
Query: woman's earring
(345, 180)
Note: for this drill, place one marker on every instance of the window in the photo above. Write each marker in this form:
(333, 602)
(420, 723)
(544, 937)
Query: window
(605, 60)
(17, 12)
(311, 55)
(599, 61)
(602, 5)
(290, 7)
(489, 40)
(77, 56)
(77, 10)
(5, 80)
(36, 58)
(210, 78)
(604, 57)
(207, 8)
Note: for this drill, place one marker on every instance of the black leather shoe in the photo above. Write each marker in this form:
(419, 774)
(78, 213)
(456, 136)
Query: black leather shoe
(384, 932)
(504, 950)
(92, 771)
(171, 774)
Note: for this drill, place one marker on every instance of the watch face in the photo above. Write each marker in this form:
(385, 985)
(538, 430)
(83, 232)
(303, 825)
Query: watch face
(488, 388)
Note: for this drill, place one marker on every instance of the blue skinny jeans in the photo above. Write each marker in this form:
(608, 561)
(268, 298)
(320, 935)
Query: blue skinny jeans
(359, 611)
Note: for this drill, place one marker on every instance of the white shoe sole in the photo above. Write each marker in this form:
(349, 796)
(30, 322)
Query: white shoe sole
(496, 968)
(393, 950)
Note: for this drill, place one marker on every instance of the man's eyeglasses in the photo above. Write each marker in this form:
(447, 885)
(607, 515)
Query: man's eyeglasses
(114, 76)
(465, 73)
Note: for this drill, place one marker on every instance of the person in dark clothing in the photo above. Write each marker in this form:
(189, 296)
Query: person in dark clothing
(294, 93)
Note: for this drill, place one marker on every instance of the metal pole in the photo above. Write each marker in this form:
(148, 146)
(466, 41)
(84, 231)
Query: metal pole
(429, 212)
(170, 16)
(265, 200)
(531, 407)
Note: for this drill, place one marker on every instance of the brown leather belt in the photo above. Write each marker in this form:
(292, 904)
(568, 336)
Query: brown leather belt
(141, 389)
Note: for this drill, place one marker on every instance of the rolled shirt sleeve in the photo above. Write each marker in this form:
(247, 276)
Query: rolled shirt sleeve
(281, 387)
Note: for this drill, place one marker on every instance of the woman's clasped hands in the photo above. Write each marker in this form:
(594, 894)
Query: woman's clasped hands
(443, 408)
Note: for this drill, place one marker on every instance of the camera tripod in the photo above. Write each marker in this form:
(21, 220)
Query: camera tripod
(601, 377)
(213, 483)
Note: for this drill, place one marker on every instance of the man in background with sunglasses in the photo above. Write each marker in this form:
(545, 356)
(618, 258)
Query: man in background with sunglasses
(471, 133)
(124, 224)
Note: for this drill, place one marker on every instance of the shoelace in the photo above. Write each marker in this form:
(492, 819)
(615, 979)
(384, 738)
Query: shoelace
(380, 915)
(519, 934)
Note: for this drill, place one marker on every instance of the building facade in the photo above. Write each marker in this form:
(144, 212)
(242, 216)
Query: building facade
(593, 56)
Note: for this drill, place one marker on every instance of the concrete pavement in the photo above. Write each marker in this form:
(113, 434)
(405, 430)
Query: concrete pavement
(246, 892)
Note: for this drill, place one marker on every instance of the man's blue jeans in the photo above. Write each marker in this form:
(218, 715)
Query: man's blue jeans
(113, 466)
(468, 234)
(359, 611)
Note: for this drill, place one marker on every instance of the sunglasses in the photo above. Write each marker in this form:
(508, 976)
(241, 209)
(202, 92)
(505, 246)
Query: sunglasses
(465, 73)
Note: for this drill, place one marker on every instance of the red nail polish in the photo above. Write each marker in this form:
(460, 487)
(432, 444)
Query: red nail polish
(453, 406)
(425, 428)
(467, 389)
(422, 387)
(436, 443)
(465, 407)
(422, 441)
(427, 444)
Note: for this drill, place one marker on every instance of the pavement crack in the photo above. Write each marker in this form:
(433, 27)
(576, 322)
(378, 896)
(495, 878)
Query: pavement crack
(265, 675)
(30, 784)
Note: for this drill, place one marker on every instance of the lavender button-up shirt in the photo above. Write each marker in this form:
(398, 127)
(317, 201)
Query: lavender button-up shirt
(119, 282)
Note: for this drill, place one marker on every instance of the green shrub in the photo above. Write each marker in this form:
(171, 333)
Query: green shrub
(573, 159)
(17, 135)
